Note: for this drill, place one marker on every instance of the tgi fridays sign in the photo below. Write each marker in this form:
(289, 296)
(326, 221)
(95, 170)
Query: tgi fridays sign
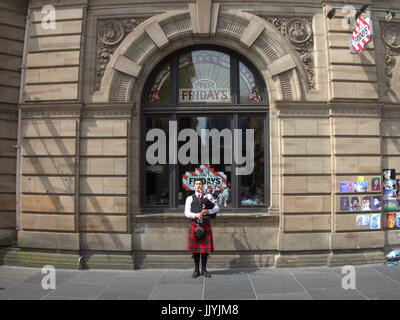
(207, 174)
(205, 90)
(362, 34)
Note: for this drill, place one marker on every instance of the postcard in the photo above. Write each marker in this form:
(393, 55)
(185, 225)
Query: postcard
(375, 184)
(344, 203)
(366, 203)
(375, 221)
(389, 174)
(360, 186)
(346, 187)
(389, 184)
(398, 220)
(362, 220)
(376, 203)
(389, 205)
(355, 203)
(391, 220)
(389, 194)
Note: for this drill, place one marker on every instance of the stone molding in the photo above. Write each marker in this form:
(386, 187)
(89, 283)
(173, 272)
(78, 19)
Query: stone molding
(110, 33)
(391, 41)
(259, 41)
(333, 109)
(298, 30)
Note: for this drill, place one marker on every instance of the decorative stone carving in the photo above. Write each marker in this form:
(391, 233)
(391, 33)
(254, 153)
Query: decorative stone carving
(391, 39)
(299, 32)
(110, 34)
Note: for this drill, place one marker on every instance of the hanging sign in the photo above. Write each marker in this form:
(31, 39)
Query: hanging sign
(362, 34)
(212, 178)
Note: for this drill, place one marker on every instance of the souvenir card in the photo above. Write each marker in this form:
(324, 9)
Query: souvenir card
(389, 174)
(389, 194)
(391, 220)
(398, 220)
(375, 222)
(344, 203)
(375, 184)
(389, 205)
(362, 220)
(366, 203)
(389, 184)
(355, 203)
(360, 186)
(346, 187)
(376, 203)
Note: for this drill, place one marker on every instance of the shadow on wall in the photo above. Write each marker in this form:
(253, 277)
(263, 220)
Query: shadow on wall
(242, 246)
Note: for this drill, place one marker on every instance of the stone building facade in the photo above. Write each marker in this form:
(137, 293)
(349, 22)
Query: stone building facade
(71, 113)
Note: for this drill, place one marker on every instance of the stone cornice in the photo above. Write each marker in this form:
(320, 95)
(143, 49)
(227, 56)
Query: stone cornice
(367, 108)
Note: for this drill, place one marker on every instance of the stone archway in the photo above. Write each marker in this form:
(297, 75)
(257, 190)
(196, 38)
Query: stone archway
(253, 37)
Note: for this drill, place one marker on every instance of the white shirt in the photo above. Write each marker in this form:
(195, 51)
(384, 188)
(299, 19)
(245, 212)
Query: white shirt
(189, 214)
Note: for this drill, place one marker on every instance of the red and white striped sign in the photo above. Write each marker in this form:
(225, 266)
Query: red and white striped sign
(207, 174)
(362, 34)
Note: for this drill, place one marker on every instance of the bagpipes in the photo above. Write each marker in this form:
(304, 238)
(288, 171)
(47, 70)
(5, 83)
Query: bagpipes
(206, 202)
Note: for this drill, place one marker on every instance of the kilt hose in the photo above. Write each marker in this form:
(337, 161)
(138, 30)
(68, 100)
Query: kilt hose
(204, 245)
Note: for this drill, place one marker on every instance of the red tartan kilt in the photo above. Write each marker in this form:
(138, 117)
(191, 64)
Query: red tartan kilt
(205, 245)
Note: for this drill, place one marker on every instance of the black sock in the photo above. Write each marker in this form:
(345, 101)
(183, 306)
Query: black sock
(204, 257)
(196, 258)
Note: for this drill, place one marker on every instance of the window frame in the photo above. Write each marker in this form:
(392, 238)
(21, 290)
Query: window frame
(173, 109)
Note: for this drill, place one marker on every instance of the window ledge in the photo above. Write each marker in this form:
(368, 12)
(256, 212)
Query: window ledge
(220, 216)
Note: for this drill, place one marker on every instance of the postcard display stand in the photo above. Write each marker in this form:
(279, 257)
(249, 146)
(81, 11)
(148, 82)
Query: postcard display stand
(391, 198)
(375, 200)
(364, 197)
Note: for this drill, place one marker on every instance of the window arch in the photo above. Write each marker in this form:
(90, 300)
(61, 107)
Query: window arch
(210, 106)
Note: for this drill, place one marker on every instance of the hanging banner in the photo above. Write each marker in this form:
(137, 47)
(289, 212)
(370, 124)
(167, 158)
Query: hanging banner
(208, 175)
(362, 34)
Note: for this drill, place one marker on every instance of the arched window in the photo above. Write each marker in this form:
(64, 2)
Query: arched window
(205, 114)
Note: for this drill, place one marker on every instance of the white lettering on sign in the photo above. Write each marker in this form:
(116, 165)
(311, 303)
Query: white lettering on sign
(362, 34)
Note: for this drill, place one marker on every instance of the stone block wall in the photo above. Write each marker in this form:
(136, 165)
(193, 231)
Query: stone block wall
(357, 152)
(351, 76)
(53, 55)
(103, 182)
(80, 144)
(48, 182)
(12, 34)
(306, 182)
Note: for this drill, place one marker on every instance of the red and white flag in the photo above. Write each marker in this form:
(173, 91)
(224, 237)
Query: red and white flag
(362, 34)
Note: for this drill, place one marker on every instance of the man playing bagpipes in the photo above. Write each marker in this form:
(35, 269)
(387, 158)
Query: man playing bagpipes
(200, 207)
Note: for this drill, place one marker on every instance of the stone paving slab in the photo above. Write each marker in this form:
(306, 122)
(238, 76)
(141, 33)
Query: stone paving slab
(372, 282)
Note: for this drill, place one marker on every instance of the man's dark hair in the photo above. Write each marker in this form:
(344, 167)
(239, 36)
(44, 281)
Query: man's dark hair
(198, 179)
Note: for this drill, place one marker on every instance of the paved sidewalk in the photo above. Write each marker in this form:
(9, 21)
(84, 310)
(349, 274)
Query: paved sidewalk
(372, 282)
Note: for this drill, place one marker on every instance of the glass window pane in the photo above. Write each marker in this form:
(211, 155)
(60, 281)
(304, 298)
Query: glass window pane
(204, 76)
(157, 175)
(217, 170)
(160, 90)
(251, 187)
(249, 91)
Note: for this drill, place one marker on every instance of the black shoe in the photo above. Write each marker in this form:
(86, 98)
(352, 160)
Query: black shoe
(195, 274)
(205, 273)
